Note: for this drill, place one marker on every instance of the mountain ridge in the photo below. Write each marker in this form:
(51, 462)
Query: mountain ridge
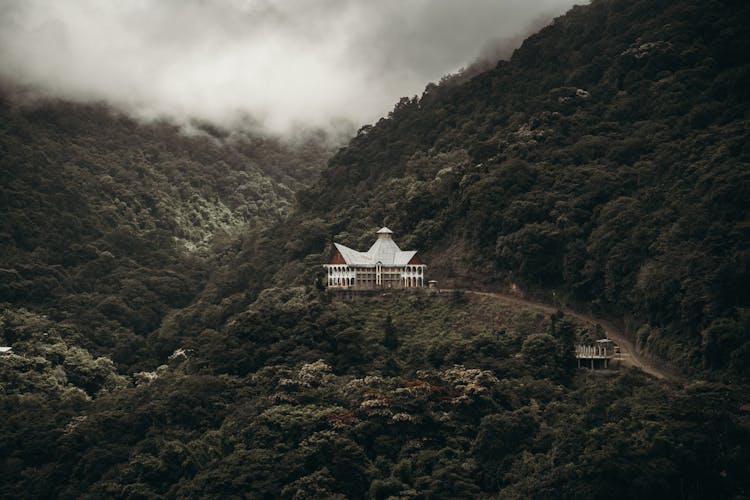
(607, 159)
(605, 164)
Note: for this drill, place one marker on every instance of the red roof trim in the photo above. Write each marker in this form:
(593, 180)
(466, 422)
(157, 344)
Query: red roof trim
(336, 257)
(416, 261)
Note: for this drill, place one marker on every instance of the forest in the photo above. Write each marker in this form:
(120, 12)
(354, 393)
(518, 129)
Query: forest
(160, 285)
(109, 224)
(606, 161)
(301, 396)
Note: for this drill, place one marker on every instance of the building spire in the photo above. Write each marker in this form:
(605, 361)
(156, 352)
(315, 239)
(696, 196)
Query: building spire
(384, 233)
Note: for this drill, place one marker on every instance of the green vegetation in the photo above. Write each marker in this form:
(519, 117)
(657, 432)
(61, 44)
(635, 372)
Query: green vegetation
(299, 397)
(607, 160)
(170, 336)
(108, 225)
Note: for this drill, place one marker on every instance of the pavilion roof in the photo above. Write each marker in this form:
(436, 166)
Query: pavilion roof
(384, 251)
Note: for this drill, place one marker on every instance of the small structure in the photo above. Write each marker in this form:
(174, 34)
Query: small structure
(432, 284)
(384, 265)
(6, 350)
(596, 355)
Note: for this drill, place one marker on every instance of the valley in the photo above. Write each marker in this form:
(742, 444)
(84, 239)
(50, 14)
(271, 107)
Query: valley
(175, 334)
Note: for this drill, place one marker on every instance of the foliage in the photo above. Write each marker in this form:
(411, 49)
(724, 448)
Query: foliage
(157, 286)
(111, 224)
(448, 412)
(607, 160)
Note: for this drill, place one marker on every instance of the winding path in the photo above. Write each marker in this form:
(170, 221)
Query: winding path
(627, 350)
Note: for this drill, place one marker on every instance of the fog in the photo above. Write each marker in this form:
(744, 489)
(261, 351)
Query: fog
(282, 64)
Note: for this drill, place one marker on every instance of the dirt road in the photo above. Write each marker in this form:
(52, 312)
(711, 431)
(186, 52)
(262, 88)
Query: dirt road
(627, 350)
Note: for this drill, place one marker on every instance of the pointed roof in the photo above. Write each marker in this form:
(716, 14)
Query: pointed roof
(353, 257)
(384, 250)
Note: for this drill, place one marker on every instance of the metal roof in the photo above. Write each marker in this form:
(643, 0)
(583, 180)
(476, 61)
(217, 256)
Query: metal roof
(353, 257)
(384, 250)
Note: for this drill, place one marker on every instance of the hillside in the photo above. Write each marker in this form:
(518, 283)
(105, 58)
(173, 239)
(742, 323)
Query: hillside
(107, 224)
(412, 396)
(607, 160)
(171, 337)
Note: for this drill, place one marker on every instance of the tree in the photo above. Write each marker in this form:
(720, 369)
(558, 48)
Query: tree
(390, 337)
(546, 356)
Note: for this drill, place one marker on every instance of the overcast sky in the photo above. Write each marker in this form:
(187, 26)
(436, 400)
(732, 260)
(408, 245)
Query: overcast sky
(287, 63)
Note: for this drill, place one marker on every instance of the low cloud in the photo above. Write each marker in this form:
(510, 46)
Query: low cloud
(284, 64)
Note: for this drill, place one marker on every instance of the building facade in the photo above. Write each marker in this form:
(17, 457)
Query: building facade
(384, 265)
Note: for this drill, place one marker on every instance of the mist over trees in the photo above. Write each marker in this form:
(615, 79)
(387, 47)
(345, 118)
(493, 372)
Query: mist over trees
(279, 67)
(159, 288)
(607, 159)
(109, 225)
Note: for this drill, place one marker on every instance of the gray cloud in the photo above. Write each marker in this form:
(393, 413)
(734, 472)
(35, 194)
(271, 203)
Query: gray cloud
(285, 63)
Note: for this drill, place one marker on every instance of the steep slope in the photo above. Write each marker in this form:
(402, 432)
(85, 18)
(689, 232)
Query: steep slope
(629, 194)
(107, 224)
(607, 160)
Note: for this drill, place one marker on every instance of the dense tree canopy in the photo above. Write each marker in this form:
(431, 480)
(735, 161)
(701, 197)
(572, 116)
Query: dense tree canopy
(111, 224)
(299, 397)
(157, 285)
(607, 160)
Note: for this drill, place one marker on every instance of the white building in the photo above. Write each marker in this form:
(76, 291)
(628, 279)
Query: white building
(384, 265)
